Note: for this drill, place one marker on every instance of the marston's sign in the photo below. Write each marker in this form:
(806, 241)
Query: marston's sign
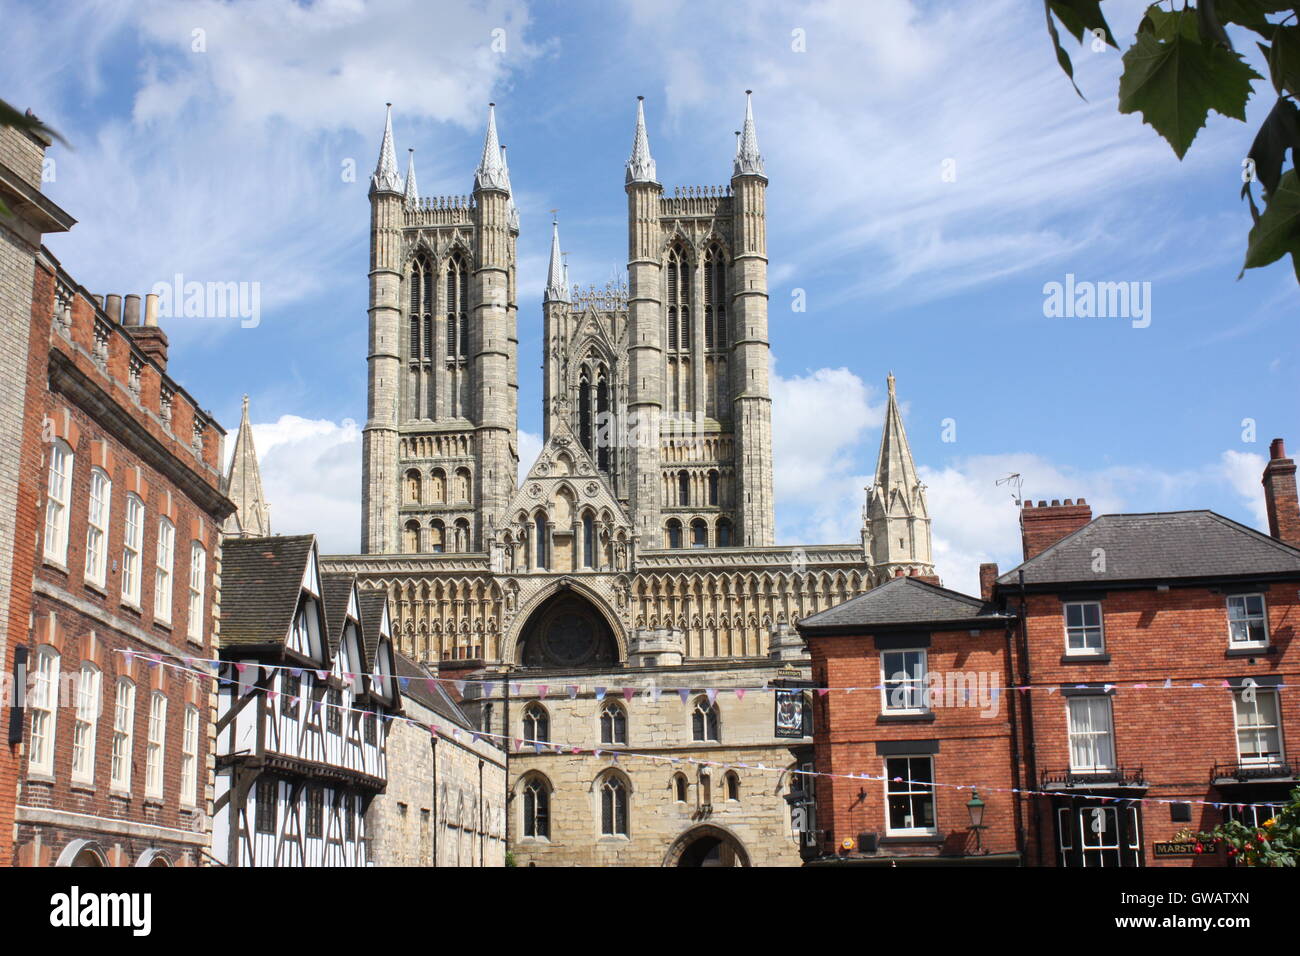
(1174, 849)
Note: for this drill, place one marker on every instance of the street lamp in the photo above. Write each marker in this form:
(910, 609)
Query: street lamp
(975, 807)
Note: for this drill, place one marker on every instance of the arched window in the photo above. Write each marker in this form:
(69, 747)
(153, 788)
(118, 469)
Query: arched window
(162, 581)
(613, 723)
(87, 722)
(704, 721)
(715, 299)
(411, 538)
(679, 787)
(537, 809)
(674, 533)
(132, 544)
(588, 541)
(713, 488)
(540, 541)
(44, 702)
(437, 486)
(699, 534)
(603, 425)
(462, 484)
(457, 309)
(58, 495)
(437, 537)
(413, 482)
(537, 725)
(123, 735)
(97, 527)
(683, 489)
(420, 346)
(198, 583)
(679, 291)
(613, 806)
(733, 785)
(724, 533)
(584, 412)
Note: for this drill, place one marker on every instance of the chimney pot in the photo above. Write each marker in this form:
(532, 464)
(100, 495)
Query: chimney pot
(113, 306)
(131, 310)
(151, 309)
(1277, 449)
(1044, 526)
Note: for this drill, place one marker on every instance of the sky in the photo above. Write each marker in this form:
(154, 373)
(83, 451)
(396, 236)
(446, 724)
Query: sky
(931, 173)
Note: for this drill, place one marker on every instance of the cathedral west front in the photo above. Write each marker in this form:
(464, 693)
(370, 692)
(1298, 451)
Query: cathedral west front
(638, 552)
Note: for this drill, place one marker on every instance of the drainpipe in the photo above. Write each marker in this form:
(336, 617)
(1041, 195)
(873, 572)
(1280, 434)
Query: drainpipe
(481, 844)
(433, 748)
(1030, 748)
(1017, 807)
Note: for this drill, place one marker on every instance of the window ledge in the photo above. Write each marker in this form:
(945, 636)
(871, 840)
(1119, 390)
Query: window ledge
(100, 589)
(40, 776)
(890, 718)
(53, 565)
(922, 838)
(133, 608)
(83, 786)
(1085, 658)
(1262, 650)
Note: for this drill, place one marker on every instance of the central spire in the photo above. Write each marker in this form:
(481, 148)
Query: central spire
(641, 165)
(749, 162)
(556, 281)
(243, 486)
(386, 178)
(491, 172)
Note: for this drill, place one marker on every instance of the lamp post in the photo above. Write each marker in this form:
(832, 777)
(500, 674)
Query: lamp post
(975, 807)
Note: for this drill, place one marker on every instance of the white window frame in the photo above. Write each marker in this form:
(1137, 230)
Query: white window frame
(44, 707)
(162, 581)
(156, 746)
(86, 725)
(1247, 618)
(890, 684)
(1106, 733)
(97, 517)
(198, 573)
(190, 757)
(1084, 651)
(132, 547)
(1276, 726)
(909, 789)
(123, 735)
(58, 495)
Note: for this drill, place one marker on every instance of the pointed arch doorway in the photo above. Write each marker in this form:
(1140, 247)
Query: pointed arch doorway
(707, 845)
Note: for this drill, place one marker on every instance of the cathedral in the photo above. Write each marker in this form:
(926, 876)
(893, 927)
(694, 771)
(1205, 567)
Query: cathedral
(638, 553)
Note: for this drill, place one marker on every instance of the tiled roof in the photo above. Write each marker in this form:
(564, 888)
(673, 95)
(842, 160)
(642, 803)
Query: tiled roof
(372, 611)
(428, 694)
(337, 586)
(902, 602)
(260, 582)
(1158, 546)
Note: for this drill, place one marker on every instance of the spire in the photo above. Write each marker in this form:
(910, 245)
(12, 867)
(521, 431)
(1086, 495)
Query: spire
(897, 520)
(511, 210)
(386, 178)
(491, 172)
(556, 280)
(641, 166)
(243, 486)
(412, 190)
(748, 160)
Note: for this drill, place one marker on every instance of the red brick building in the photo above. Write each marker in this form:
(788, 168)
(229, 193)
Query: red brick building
(917, 675)
(1164, 676)
(121, 469)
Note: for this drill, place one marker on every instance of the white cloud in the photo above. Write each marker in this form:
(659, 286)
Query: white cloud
(530, 446)
(1243, 472)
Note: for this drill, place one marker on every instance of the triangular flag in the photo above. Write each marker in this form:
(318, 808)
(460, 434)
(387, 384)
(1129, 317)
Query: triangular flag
(542, 689)
(683, 693)
(404, 683)
(573, 691)
(711, 693)
(740, 693)
(823, 691)
(629, 693)
(487, 688)
(460, 687)
(600, 693)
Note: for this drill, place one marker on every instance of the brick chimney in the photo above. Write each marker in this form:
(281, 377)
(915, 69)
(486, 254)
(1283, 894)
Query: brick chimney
(988, 574)
(147, 335)
(1280, 495)
(1043, 526)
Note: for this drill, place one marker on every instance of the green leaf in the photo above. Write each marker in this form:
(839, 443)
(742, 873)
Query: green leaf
(1080, 15)
(1284, 58)
(1278, 230)
(9, 116)
(1174, 80)
(1279, 132)
(1250, 13)
(1062, 57)
(1208, 21)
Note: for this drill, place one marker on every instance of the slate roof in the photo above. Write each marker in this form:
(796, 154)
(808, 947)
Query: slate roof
(1159, 546)
(903, 602)
(260, 582)
(435, 699)
(337, 586)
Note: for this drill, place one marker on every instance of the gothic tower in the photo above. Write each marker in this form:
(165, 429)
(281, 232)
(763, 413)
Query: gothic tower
(440, 453)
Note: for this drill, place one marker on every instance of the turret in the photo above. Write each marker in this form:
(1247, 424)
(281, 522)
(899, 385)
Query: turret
(896, 521)
(751, 352)
(645, 347)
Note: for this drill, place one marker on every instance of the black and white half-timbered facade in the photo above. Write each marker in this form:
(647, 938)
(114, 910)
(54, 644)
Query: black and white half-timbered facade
(304, 708)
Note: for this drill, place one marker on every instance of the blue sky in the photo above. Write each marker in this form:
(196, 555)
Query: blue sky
(225, 164)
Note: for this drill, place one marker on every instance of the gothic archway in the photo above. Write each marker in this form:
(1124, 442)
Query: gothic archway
(707, 845)
(566, 631)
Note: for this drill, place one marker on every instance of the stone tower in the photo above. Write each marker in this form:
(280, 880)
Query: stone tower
(896, 521)
(440, 454)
